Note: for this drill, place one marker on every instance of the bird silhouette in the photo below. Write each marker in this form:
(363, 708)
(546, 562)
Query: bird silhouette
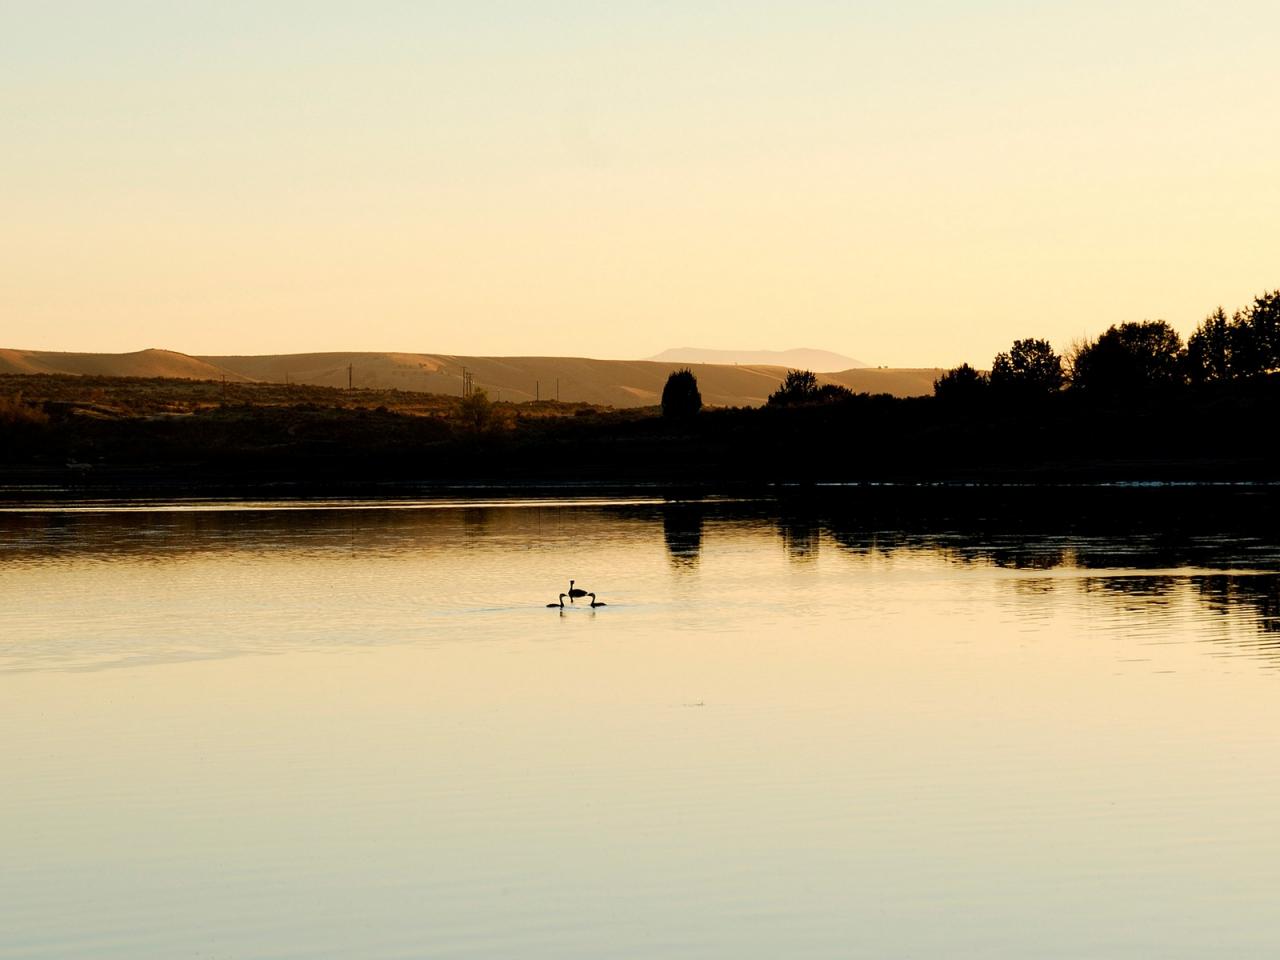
(560, 604)
(596, 603)
(575, 592)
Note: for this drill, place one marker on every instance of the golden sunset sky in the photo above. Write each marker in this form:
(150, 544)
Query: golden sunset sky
(910, 183)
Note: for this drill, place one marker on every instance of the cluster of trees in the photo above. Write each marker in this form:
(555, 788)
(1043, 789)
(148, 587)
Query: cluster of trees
(1131, 356)
(1128, 357)
(1029, 369)
(1245, 346)
(681, 398)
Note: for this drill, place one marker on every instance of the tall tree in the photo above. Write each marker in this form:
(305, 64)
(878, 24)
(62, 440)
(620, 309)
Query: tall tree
(1257, 336)
(1209, 349)
(681, 397)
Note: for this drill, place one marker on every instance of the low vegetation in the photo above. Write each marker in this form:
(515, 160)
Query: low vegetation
(18, 413)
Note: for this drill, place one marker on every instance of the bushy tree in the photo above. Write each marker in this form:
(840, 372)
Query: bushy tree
(680, 396)
(961, 384)
(800, 386)
(1029, 369)
(1130, 357)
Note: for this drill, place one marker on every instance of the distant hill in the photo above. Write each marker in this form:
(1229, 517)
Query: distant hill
(143, 363)
(819, 361)
(899, 381)
(616, 383)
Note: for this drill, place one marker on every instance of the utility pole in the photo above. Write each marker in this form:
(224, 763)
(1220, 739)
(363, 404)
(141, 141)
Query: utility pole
(350, 368)
(537, 390)
(557, 389)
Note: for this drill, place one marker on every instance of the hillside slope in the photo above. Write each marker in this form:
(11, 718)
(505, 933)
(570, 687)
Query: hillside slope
(899, 381)
(142, 363)
(617, 383)
(819, 361)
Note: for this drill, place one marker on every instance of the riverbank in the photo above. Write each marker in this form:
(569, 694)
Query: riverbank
(88, 438)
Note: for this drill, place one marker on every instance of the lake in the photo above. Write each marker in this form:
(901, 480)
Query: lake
(356, 730)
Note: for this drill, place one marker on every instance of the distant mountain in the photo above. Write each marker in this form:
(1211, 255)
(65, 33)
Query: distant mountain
(819, 361)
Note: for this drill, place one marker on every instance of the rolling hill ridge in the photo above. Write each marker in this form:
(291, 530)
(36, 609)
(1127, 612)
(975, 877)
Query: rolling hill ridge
(617, 383)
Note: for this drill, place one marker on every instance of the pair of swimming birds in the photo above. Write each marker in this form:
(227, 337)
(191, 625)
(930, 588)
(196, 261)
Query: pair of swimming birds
(573, 594)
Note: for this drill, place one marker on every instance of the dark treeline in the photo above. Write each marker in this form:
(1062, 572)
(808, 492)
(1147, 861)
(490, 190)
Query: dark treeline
(1130, 358)
(1134, 404)
(1221, 431)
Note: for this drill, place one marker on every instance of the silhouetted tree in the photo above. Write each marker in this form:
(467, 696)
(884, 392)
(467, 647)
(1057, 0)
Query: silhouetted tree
(800, 386)
(681, 397)
(961, 384)
(1256, 337)
(1210, 349)
(1029, 369)
(1131, 356)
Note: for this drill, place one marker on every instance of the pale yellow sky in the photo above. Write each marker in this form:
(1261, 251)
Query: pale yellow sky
(910, 184)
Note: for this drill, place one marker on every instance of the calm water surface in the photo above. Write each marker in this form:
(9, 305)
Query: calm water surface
(358, 732)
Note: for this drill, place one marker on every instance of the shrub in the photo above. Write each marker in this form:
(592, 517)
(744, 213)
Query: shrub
(477, 413)
(833, 393)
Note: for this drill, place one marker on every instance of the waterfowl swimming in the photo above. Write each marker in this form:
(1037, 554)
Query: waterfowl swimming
(560, 604)
(594, 603)
(575, 592)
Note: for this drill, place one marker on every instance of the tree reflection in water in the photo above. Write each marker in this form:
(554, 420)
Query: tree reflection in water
(682, 532)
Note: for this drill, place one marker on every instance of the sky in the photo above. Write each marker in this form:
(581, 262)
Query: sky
(909, 183)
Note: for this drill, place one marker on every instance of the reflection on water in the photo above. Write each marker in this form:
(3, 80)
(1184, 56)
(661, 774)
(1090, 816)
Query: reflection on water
(359, 732)
(800, 538)
(682, 533)
(1233, 578)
